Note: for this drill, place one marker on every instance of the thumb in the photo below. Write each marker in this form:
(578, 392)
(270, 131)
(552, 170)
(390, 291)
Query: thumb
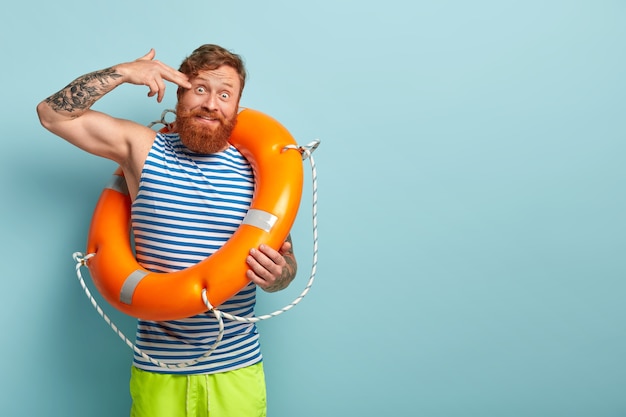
(149, 56)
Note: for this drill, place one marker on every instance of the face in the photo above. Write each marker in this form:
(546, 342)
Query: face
(206, 113)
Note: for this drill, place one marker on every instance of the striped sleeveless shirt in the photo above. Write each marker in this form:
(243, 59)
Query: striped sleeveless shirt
(188, 205)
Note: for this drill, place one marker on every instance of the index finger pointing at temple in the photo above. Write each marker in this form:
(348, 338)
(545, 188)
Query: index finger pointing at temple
(178, 78)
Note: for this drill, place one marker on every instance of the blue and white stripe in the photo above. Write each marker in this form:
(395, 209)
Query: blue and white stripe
(187, 207)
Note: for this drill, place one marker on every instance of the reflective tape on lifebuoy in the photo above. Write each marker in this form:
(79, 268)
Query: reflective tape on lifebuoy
(130, 288)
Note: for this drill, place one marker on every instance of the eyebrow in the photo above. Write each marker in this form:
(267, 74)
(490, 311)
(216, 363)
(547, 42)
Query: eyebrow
(207, 81)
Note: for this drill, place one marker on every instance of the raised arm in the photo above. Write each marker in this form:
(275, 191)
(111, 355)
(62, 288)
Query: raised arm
(68, 112)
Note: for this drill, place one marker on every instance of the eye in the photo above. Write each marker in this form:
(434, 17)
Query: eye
(200, 90)
(225, 96)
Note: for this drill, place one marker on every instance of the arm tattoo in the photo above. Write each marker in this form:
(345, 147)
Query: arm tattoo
(81, 93)
(292, 266)
(289, 271)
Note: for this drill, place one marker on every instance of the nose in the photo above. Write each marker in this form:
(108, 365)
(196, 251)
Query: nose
(210, 102)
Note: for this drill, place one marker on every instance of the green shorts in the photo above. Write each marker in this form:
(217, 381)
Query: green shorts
(238, 393)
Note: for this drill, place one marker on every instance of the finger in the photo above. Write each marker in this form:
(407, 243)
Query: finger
(149, 56)
(272, 255)
(161, 90)
(256, 279)
(258, 273)
(171, 74)
(268, 264)
(259, 262)
(285, 248)
(153, 89)
(177, 78)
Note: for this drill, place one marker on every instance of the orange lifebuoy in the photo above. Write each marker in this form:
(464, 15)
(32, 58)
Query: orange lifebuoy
(130, 288)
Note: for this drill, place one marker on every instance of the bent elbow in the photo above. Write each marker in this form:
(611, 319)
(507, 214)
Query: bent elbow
(43, 112)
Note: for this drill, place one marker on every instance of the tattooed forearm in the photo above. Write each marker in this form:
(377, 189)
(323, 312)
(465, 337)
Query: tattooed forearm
(81, 93)
(288, 273)
(292, 266)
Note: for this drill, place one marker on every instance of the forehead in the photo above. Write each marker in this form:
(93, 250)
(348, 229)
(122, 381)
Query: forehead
(225, 76)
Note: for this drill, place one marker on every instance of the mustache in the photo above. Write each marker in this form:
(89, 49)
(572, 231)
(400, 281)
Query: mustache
(212, 114)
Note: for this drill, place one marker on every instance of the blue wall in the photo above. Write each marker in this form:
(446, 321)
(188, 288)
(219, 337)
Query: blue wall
(471, 202)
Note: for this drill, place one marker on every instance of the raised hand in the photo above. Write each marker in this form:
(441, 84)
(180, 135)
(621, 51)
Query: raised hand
(152, 73)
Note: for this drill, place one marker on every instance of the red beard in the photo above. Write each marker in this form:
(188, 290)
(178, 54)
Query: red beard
(197, 137)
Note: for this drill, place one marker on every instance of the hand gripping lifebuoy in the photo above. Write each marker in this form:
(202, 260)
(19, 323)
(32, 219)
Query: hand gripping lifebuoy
(278, 176)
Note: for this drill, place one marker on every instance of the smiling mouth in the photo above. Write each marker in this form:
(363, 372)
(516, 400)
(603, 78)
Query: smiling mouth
(209, 119)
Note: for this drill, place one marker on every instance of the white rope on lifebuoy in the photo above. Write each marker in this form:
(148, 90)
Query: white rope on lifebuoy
(307, 153)
(81, 260)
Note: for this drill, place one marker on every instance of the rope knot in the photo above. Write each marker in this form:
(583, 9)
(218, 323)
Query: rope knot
(82, 259)
(305, 150)
(206, 300)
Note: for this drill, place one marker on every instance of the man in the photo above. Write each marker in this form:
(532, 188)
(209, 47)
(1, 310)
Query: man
(190, 190)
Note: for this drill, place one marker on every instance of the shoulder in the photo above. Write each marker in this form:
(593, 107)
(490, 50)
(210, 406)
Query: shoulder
(139, 143)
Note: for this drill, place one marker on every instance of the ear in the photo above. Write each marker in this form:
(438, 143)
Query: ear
(179, 92)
